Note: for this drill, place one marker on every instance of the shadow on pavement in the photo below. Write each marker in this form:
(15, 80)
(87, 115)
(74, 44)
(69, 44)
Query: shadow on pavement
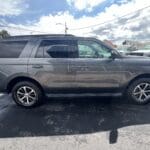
(72, 116)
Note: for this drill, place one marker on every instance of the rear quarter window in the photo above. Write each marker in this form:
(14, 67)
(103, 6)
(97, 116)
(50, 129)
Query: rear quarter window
(11, 49)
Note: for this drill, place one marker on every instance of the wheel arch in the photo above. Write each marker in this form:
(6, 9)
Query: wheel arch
(15, 80)
(136, 78)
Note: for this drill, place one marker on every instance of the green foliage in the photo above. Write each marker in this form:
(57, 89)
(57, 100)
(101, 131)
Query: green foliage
(4, 34)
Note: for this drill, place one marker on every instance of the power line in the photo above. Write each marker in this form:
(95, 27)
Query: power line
(106, 22)
(131, 21)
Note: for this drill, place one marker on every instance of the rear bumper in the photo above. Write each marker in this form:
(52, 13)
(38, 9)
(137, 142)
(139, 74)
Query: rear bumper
(3, 87)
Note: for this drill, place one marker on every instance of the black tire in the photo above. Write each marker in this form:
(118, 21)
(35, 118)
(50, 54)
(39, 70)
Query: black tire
(37, 94)
(131, 89)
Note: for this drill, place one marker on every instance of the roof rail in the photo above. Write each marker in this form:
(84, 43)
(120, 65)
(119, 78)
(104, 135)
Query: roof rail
(38, 36)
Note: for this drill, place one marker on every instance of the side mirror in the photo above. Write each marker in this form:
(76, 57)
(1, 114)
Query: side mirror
(113, 55)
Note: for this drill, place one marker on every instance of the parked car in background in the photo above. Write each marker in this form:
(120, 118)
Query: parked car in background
(140, 53)
(136, 52)
(32, 67)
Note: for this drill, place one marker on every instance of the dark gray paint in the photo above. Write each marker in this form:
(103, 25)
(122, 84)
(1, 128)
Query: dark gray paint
(73, 73)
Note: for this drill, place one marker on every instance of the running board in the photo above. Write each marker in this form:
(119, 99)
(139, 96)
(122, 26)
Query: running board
(85, 95)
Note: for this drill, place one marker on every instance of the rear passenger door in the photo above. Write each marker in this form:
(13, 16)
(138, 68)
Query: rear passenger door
(50, 64)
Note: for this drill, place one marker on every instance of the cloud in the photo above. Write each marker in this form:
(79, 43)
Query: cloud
(12, 7)
(135, 25)
(84, 4)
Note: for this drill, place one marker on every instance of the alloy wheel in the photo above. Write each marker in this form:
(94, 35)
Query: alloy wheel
(142, 92)
(26, 95)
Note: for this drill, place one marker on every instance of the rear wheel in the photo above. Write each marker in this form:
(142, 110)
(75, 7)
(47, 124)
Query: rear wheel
(26, 94)
(139, 91)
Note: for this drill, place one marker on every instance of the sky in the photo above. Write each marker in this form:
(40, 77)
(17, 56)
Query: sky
(114, 20)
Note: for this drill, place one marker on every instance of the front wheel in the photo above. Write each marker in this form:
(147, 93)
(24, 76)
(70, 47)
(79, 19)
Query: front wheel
(26, 94)
(139, 91)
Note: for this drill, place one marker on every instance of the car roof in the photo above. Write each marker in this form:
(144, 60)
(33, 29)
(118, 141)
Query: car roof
(50, 36)
(44, 36)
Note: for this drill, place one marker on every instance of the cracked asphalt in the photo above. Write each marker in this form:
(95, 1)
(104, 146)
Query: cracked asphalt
(78, 123)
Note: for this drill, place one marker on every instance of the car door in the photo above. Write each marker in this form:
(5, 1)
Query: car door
(94, 67)
(49, 64)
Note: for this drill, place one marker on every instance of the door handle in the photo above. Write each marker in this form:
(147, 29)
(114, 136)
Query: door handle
(79, 68)
(37, 66)
(84, 68)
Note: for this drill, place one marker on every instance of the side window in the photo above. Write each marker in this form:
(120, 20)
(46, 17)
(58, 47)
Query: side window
(91, 49)
(103, 51)
(11, 49)
(57, 49)
(85, 51)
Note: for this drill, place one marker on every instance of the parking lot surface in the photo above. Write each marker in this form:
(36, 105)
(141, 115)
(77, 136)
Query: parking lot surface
(78, 123)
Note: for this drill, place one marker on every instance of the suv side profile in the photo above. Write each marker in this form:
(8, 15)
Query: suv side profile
(35, 66)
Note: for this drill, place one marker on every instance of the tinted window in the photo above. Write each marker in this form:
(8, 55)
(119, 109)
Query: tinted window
(91, 49)
(11, 49)
(57, 49)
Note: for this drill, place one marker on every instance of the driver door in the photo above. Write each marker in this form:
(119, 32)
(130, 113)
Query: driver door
(94, 68)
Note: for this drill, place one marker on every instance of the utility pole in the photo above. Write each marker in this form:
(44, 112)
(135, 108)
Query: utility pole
(66, 28)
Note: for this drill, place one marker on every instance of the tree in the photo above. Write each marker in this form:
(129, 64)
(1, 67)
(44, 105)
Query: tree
(4, 34)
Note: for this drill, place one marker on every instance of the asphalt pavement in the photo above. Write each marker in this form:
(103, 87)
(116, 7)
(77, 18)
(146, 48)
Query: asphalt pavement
(75, 123)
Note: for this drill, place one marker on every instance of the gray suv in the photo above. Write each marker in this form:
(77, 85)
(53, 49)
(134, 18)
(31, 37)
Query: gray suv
(35, 66)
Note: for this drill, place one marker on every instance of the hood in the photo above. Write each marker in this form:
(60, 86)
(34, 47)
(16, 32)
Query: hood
(136, 57)
(141, 60)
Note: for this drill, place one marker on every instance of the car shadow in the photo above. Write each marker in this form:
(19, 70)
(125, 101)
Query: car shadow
(72, 116)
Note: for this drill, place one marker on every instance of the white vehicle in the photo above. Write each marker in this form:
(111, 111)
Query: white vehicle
(141, 52)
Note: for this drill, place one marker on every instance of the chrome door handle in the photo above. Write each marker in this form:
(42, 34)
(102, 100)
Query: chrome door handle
(37, 66)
